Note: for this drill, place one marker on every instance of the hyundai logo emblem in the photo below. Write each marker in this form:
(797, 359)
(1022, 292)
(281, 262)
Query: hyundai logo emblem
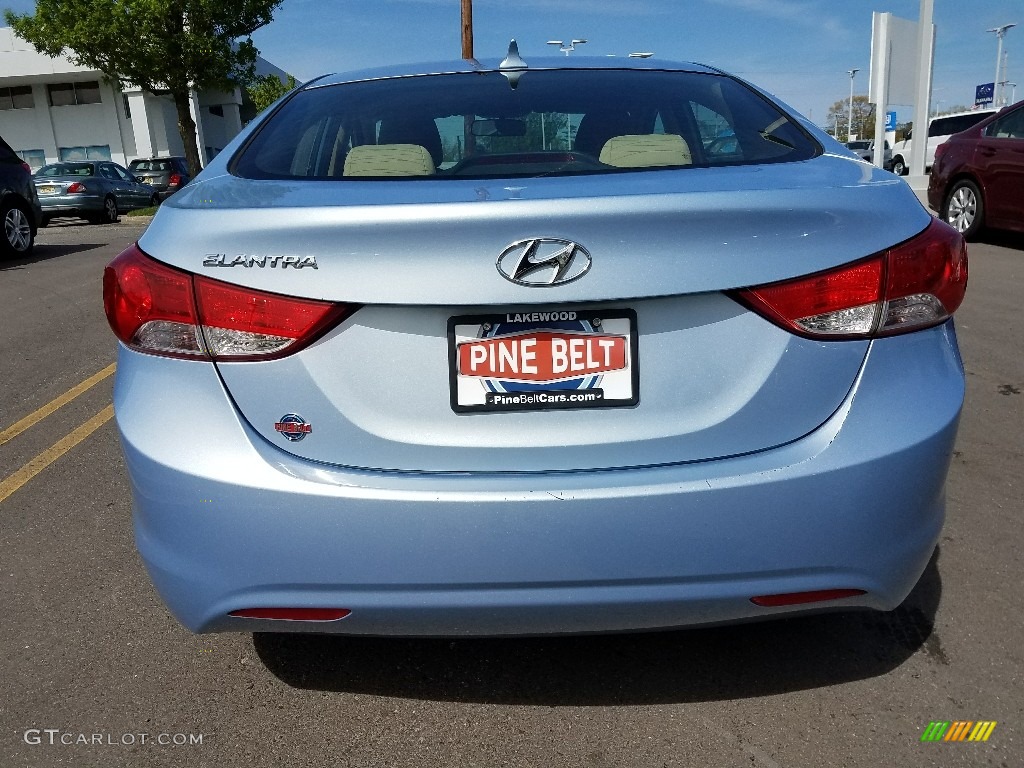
(543, 261)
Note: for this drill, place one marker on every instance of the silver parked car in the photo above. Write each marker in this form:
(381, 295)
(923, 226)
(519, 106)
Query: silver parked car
(97, 190)
(865, 149)
(565, 345)
(165, 174)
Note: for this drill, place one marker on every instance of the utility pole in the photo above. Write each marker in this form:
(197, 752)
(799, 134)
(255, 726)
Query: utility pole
(468, 142)
(467, 29)
(849, 125)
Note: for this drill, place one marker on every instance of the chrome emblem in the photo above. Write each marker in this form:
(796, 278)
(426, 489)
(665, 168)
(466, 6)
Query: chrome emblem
(543, 261)
(293, 427)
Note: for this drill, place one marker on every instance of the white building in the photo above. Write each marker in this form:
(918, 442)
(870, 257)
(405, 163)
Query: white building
(52, 109)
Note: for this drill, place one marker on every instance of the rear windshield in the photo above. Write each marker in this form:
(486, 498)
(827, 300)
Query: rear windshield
(67, 169)
(554, 122)
(151, 165)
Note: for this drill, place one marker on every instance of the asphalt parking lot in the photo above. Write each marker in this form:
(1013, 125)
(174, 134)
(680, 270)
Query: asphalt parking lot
(95, 672)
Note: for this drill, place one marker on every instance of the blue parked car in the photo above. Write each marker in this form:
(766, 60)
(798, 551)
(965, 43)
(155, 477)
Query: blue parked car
(503, 348)
(97, 190)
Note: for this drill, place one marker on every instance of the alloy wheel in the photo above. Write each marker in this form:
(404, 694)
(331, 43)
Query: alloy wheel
(963, 209)
(18, 230)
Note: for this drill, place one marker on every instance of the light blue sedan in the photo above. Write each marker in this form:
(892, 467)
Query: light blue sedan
(505, 348)
(97, 190)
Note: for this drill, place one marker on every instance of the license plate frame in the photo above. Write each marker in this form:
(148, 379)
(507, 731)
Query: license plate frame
(563, 337)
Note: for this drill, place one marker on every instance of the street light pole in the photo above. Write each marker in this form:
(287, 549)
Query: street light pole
(1000, 34)
(849, 125)
(566, 49)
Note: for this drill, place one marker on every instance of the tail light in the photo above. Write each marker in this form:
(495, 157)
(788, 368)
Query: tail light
(154, 308)
(802, 598)
(76, 188)
(26, 166)
(175, 180)
(914, 285)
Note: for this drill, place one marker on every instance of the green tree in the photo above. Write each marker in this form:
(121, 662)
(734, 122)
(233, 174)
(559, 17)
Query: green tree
(265, 90)
(154, 44)
(863, 118)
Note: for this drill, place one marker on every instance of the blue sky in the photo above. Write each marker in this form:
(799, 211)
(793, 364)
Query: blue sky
(800, 50)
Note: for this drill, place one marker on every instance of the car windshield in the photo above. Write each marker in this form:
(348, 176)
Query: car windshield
(554, 122)
(67, 169)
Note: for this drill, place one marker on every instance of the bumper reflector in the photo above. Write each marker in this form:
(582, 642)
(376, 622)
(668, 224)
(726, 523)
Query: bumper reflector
(799, 598)
(292, 614)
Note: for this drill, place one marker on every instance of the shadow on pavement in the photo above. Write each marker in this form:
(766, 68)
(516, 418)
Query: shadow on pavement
(46, 252)
(1004, 239)
(723, 663)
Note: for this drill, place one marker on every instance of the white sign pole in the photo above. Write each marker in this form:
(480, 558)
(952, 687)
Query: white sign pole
(925, 45)
(879, 84)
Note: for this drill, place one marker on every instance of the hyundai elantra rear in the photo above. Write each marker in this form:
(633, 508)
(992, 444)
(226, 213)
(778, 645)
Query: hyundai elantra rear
(537, 347)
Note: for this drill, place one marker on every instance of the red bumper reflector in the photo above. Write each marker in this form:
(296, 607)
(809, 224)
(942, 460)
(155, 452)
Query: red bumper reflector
(292, 614)
(799, 598)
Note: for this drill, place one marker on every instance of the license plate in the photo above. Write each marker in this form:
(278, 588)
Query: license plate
(543, 359)
(47, 190)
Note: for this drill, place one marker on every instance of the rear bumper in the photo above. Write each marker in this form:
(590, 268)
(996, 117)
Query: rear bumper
(226, 521)
(71, 205)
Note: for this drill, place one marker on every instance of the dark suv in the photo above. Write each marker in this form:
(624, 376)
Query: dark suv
(19, 206)
(165, 174)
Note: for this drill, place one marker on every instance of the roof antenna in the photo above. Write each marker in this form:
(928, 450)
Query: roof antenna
(513, 66)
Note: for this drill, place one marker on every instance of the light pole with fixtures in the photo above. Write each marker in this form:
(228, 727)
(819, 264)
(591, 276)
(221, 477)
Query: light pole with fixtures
(566, 49)
(1000, 34)
(849, 125)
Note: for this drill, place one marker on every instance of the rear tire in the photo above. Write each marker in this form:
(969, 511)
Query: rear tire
(899, 166)
(18, 238)
(109, 215)
(964, 210)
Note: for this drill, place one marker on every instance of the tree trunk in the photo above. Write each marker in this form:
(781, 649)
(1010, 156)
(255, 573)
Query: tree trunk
(187, 129)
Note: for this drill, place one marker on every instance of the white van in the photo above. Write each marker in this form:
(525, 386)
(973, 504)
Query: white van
(939, 129)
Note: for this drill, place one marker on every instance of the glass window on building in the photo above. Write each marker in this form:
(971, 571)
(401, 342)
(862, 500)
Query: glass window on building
(36, 158)
(95, 152)
(70, 94)
(88, 93)
(19, 97)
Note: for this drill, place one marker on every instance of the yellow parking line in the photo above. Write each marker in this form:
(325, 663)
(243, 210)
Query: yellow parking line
(34, 418)
(12, 483)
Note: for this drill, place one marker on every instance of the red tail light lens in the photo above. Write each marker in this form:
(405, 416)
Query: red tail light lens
(26, 166)
(76, 188)
(165, 311)
(175, 180)
(917, 284)
(242, 323)
(801, 598)
(150, 306)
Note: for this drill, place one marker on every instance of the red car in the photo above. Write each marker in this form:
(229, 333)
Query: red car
(977, 180)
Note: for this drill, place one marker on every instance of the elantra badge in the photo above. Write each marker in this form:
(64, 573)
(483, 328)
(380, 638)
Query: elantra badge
(251, 260)
(293, 427)
(543, 261)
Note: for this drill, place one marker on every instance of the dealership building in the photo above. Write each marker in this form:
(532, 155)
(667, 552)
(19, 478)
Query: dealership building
(52, 109)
